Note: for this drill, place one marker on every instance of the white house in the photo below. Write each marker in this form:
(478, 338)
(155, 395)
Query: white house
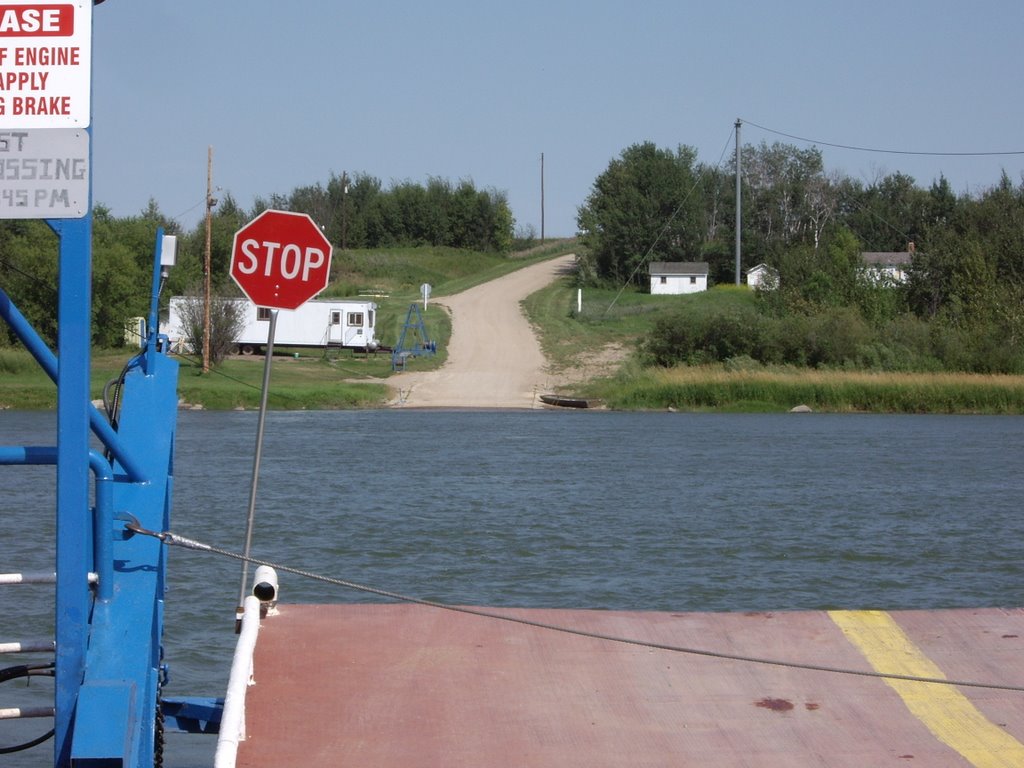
(762, 276)
(676, 277)
(888, 267)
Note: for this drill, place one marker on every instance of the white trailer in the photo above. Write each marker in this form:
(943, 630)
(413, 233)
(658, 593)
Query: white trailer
(321, 323)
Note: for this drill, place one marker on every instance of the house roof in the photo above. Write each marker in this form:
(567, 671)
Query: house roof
(887, 258)
(678, 268)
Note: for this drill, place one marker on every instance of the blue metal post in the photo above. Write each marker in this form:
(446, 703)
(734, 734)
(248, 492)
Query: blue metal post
(73, 534)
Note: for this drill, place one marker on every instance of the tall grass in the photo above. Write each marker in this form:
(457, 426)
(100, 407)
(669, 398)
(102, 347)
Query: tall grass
(16, 361)
(717, 388)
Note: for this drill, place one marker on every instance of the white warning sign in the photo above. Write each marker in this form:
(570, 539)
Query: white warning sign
(44, 174)
(45, 64)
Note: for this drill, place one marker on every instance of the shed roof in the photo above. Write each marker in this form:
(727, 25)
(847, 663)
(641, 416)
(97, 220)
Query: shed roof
(887, 258)
(678, 268)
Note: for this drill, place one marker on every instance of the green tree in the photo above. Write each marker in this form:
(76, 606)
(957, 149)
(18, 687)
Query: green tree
(996, 221)
(122, 272)
(226, 219)
(890, 213)
(644, 207)
(28, 274)
(789, 199)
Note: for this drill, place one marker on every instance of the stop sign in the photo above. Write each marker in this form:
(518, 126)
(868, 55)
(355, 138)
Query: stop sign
(281, 259)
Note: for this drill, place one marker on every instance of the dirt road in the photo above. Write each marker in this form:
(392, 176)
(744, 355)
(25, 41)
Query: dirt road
(494, 358)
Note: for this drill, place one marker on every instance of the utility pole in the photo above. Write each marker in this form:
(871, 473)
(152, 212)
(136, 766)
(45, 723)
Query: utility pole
(344, 211)
(542, 197)
(739, 201)
(210, 203)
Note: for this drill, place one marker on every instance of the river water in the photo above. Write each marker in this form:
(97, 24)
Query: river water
(662, 511)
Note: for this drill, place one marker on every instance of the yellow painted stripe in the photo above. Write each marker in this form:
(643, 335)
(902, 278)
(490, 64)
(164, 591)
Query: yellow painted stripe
(947, 713)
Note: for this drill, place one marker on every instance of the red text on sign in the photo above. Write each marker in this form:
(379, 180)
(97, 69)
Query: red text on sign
(40, 105)
(49, 56)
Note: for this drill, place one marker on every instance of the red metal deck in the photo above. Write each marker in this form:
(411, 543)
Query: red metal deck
(408, 685)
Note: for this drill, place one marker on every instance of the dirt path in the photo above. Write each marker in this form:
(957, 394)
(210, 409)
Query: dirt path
(494, 358)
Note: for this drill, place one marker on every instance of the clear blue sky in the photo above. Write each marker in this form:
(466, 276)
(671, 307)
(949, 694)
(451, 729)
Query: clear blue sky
(288, 93)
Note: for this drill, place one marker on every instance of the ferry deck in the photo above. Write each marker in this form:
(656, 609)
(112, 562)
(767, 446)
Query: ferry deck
(392, 685)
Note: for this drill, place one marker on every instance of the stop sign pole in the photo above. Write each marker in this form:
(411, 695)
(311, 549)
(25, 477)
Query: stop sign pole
(280, 260)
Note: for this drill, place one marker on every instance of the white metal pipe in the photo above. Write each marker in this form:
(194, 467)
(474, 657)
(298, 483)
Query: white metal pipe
(40, 577)
(28, 646)
(37, 577)
(14, 713)
(265, 587)
(232, 723)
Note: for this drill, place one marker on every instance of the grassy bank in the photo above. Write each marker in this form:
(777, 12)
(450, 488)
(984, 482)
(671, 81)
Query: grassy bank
(715, 388)
(338, 380)
(573, 335)
(574, 325)
(313, 380)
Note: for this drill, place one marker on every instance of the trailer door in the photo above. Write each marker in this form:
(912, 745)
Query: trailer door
(335, 332)
(355, 330)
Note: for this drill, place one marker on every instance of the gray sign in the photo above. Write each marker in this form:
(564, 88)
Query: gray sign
(44, 173)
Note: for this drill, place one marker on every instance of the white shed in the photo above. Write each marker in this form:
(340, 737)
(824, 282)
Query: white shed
(762, 276)
(676, 277)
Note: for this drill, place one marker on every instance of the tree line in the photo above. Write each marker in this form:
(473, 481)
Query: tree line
(356, 212)
(961, 307)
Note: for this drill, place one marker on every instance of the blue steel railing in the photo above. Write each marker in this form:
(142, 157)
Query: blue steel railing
(108, 641)
(103, 515)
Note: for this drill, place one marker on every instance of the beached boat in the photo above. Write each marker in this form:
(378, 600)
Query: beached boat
(566, 401)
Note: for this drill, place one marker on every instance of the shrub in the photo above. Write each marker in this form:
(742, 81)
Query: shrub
(225, 324)
(701, 335)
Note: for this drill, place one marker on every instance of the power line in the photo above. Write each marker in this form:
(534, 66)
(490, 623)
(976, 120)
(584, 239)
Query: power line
(882, 151)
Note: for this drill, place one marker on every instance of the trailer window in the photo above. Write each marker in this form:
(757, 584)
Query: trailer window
(355, 319)
(335, 317)
(262, 313)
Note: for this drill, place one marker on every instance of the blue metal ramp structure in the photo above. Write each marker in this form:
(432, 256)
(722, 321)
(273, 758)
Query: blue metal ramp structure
(108, 664)
(413, 341)
(109, 582)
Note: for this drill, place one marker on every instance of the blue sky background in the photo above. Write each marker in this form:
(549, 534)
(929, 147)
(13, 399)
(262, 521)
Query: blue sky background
(288, 93)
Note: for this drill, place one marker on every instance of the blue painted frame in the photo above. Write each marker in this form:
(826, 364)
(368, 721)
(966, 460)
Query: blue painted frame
(109, 643)
(108, 637)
